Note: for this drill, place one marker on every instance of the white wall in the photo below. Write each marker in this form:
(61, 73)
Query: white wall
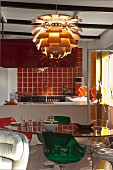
(84, 46)
(8, 83)
(105, 41)
(3, 84)
(12, 80)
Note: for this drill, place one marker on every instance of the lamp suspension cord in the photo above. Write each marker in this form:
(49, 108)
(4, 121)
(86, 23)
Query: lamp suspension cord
(56, 6)
(2, 27)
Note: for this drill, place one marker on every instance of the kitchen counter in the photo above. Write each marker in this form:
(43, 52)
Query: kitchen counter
(53, 103)
(78, 111)
(78, 100)
(68, 101)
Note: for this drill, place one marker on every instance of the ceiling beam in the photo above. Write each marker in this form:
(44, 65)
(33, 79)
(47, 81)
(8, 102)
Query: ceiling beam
(83, 25)
(17, 33)
(89, 37)
(29, 34)
(15, 21)
(53, 6)
(95, 26)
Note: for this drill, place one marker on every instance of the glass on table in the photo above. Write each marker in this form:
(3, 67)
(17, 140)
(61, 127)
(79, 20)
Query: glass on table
(97, 131)
(23, 121)
(51, 118)
(37, 124)
(100, 126)
(30, 122)
(102, 130)
(105, 131)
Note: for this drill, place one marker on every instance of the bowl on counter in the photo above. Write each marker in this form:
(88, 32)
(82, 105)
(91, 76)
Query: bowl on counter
(84, 125)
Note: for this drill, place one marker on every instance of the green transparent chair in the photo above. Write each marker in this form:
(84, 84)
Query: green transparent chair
(62, 148)
(39, 136)
(47, 163)
(60, 119)
(63, 119)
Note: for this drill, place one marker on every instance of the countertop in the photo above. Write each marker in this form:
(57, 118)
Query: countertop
(77, 99)
(77, 103)
(71, 101)
(53, 103)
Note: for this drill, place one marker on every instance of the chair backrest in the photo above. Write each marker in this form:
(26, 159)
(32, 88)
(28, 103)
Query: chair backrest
(62, 148)
(52, 139)
(63, 119)
(6, 121)
(60, 119)
(40, 137)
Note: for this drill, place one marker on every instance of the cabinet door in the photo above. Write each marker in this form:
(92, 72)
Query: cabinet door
(19, 53)
(23, 53)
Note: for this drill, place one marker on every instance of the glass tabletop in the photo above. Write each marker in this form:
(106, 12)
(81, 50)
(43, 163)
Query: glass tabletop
(97, 130)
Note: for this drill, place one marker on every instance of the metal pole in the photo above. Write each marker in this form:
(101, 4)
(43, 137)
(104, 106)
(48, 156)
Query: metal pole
(2, 27)
(88, 86)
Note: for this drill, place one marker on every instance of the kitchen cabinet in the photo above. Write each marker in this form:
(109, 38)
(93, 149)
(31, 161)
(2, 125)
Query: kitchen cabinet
(19, 53)
(23, 53)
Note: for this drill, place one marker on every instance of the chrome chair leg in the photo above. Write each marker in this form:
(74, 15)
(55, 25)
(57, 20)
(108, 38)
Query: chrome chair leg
(62, 166)
(111, 164)
(49, 164)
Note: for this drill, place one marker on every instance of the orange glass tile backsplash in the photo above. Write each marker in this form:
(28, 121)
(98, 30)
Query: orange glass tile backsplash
(54, 79)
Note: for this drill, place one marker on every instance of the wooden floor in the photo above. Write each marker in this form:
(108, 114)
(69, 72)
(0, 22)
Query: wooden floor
(37, 159)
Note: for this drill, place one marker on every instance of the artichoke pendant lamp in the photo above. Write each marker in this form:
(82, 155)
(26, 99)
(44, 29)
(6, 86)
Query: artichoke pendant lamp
(56, 34)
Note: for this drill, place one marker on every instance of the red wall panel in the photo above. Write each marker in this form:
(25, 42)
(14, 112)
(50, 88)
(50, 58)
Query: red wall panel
(53, 79)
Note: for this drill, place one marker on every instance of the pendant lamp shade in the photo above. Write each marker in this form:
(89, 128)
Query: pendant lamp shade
(56, 34)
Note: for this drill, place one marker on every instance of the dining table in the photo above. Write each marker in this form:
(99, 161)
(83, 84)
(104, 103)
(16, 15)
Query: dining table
(96, 131)
(94, 136)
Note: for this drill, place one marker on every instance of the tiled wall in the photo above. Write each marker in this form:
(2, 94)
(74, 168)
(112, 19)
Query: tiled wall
(52, 80)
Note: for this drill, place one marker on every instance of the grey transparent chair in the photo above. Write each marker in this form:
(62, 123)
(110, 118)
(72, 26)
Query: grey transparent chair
(104, 154)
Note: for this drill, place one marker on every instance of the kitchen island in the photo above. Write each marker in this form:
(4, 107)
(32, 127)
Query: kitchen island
(78, 111)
